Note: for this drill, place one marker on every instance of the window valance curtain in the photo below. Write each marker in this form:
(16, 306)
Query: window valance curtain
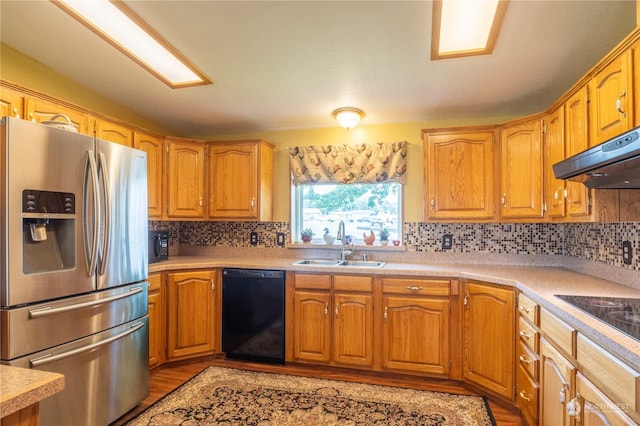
(363, 163)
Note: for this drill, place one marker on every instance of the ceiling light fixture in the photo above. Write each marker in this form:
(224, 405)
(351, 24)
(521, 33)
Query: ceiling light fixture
(465, 27)
(348, 117)
(121, 27)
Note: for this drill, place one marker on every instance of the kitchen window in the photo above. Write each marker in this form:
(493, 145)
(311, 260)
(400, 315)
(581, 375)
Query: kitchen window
(360, 185)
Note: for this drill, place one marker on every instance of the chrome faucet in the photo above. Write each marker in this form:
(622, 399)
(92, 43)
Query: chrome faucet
(343, 238)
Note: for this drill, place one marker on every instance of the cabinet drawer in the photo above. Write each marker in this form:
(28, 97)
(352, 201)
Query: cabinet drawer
(618, 381)
(416, 286)
(352, 283)
(527, 396)
(527, 360)
(556, 330)
(155, 282)
(528, 309)
(312, 282)
(528, 334)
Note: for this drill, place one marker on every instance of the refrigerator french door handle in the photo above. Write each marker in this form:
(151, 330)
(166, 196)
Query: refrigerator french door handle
(90, 183)
(48, 310)
(106, 207)
(37, 362)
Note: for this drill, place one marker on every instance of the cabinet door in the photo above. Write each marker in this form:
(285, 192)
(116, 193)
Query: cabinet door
(157, 317)
(194, 314)
(521, 171)
(113, 132)
(415, 334)
(460, 175)
(11, 103)
(596, 408)
(233, 181)
(153, 146)
(488, 337)
(186, 179)
(353, 329)
(556, 373)
(312, 326)
(554, 144)
(612, 99)
(40, 110)
(576, 141)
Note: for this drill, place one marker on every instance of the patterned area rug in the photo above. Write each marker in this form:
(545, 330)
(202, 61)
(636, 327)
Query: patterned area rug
(223, 396)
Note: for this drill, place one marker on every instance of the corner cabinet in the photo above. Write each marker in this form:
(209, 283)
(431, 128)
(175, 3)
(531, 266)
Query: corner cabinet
(241, 180)
(488, 333)
(459, 173)
(194, 314)
(185, 179)
(154, 147)
(521, 190)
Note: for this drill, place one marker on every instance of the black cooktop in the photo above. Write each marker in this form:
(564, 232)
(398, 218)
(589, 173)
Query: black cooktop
(622, 313)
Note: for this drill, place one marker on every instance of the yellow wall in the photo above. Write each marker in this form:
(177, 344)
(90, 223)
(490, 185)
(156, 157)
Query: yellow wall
(25, 71)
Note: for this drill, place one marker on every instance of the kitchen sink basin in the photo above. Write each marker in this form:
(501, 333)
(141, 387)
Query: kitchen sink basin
(318, 262)
(341, 263)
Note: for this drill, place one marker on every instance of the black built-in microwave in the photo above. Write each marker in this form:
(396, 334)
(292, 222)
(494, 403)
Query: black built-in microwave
(158, 245)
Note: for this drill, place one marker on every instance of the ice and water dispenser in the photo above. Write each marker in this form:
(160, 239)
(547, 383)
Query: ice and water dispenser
(48, 222)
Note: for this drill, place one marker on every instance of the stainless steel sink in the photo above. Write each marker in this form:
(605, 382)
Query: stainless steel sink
(363, 263)
(341, 263)
(318, 262)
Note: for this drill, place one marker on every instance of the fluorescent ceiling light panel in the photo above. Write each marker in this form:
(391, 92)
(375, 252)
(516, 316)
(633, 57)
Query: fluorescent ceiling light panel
(121, 27)
(465, 27)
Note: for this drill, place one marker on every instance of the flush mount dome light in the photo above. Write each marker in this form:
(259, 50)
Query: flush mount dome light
(348, 117)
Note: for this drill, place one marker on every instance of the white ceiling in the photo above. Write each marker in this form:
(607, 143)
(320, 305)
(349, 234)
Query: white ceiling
(288, 64)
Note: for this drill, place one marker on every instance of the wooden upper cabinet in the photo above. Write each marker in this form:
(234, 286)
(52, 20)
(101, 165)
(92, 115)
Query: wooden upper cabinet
(554, 146)
(488, 333)
(521, 170)
(611, 99)
(11, 103)
(241, 180)
(459, 173)
(577, 140)
(113, 132)
(635, 49)
(153, 146)
(40, 110)
(185, 177)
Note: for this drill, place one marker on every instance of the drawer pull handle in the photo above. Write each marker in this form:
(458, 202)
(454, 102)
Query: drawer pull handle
(413, 288)
(619, 104)
(524, 309)
(573, 407)
(524, 396)
(524, 360)
(525, 335)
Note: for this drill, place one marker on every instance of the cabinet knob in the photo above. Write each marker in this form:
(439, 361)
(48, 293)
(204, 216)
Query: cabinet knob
(433, 203)
(524, 396)
(253, 203)
(465, 301)
(336, 310)
(385, 313)
(326, 309)
(503, 200)
(573, 407)
(525, 335)
(524, 360)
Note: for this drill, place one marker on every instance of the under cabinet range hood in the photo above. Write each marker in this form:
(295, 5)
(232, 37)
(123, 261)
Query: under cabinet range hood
(614, 164)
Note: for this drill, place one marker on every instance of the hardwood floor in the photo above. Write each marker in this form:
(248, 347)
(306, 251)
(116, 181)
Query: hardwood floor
(169, 376)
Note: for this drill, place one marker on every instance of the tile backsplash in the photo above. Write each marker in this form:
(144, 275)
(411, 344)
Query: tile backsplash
(598, 242)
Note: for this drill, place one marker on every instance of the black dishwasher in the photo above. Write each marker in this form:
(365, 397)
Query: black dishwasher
(253, 314)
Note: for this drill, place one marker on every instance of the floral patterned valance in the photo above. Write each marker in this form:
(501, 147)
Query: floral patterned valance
(363, 163)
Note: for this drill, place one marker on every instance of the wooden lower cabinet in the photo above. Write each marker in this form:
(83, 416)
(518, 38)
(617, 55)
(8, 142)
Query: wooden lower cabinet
(488, 333)
(596, 409)
(333, 326)
(415, 334)
(157, 321)
(194, 314)
(556, 385)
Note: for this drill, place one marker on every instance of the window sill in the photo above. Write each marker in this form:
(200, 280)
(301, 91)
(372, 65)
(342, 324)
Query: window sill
(338, 247)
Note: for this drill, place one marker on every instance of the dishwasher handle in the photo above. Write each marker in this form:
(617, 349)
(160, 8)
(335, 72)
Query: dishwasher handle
(251, 273)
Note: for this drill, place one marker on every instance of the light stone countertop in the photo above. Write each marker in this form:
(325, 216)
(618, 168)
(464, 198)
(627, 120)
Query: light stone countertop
(22, 387)
(540, 283)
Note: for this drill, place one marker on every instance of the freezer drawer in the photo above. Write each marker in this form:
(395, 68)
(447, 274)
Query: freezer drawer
(106, 375)
(36, 327)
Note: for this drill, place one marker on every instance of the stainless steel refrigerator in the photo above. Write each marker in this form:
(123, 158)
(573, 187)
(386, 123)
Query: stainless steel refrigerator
(73, 289)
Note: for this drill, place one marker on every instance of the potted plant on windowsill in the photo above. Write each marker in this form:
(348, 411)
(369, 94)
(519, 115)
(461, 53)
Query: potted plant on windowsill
(306, 235)
(384, 236)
